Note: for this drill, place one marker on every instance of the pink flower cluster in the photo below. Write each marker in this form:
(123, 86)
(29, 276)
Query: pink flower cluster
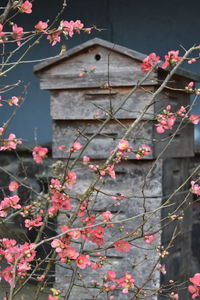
(26, 7)
(17, 33)
(122, 246)
(7, 203)
(126, 282)
(149, 62)
(10, 143)
(96, 234)
(39, 153)
(143, 151)
(123, 148)
(195, 288)
(12, 101)
(70, 179)
(174, 296)
(149, 238)
(59, 199)
(171, 59)
(37, 222)
(195, 188)
(165, 120)
(67, 28)
(108, 170)
(10, 251)
(13, 186)
(67, 253)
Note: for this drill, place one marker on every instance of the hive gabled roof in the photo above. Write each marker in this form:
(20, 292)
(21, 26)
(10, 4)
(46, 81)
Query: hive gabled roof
(114, 47)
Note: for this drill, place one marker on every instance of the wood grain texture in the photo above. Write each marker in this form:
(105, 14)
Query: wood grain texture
(65, 132)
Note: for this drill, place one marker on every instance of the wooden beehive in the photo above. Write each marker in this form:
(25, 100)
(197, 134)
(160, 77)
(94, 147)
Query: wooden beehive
(75, 100)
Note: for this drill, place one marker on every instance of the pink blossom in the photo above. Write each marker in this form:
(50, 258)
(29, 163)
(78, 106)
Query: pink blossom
(39, 153)
(196, 279)
(7, 203)
(51, 297)
(171, 59)
(110, 171)
(82, 209)
(70, 179)
(37, 222)
(122, 246)
(123, 145)
(2, 34)
(86, 159)
(126, 283)
(1, 130)
(41, 26)
(149, 239)
(41, 278)
(106, 216)
(110, 276)
(56, 243)
(70, 27)
(54, 37)
(174, 296)
(13, 101)
(88, 30)
(26, 7)
(143, 151)
(149, 62)
(194, 119)
(17, 33)
(166, 120)
(192, 60)
(195, 288)
(195, 188)
(162, 269)
(13, 186)
(76, 146)
(97, 235)
(7, 275)
(10, 143)
(182, 111)
(82, 261)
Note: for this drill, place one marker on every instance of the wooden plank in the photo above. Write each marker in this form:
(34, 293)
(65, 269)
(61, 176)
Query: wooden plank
(182, 144)
(65, 132)
(129, 180)
(96, 42)
(96, 80)
(175, 98)
(85, 103)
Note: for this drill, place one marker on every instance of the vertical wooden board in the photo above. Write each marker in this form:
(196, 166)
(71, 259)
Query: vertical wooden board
(176, 81)
(170, 97)
(84, 104)
(178, 262)
(179, 145)
(175, 173)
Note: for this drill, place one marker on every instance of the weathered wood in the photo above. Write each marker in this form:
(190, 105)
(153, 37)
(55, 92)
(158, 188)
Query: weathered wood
(85, 103)
(96, 42)
(170, 97)
(65, 132)
(96, 80)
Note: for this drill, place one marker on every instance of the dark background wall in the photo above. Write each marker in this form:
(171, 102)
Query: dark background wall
(146, 26)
